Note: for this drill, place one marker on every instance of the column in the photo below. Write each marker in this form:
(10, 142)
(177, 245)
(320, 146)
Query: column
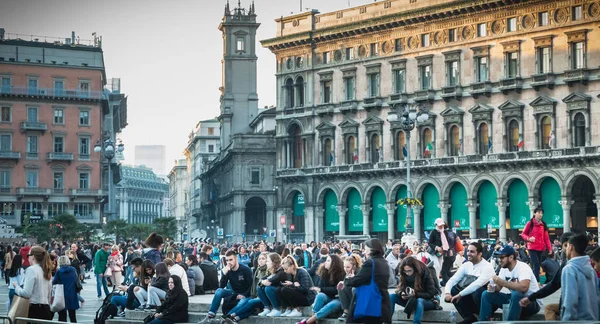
(366, 209)
(270, 220)
(443, 206)
(597, 202)
(417, 222)
(341, 209)
(391, 212)
(472, 206)
(502, 205)
(309, 221)
(319, 230)
(532, 206)
(566, 207)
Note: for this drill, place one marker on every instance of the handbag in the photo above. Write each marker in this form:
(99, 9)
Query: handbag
(108, 272)
(368, 298)
(465, 281)
(18, 308)
(149, 318)
(78, 286)
(57, 302)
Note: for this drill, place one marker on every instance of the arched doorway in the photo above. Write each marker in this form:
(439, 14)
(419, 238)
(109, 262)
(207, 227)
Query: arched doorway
(379, 221)
(487, 212)
(517, 213)
(332, 217)
(431, 211)
(255, 218)
(458, 213)
(355, 215)
(550, 196)
(296, 146)
(299, 231)
(584, 212)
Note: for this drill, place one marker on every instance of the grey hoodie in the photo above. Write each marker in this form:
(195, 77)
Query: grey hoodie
(579, 291)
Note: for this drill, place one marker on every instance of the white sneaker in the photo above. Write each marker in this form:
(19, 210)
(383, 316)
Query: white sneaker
(264, 312)
(274, 313)
(287, 312)
(294, 313)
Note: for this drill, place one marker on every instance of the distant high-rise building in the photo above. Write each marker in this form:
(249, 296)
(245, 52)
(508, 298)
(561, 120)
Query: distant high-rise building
(152, 156)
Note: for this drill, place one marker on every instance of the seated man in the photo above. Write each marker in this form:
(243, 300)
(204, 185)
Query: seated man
(122, 300)
(464, 289)
(515, 281)
(238, 278)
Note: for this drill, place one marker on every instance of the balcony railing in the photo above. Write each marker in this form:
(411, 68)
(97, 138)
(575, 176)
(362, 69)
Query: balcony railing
(59, 156)
(86, 192)
(9, 155)
(5, 190)
(33, 126)
(51, 93)
(465, 160)
(34, 191)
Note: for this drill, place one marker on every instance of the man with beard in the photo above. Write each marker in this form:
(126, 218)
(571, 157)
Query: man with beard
(464, 289)
(516, 277)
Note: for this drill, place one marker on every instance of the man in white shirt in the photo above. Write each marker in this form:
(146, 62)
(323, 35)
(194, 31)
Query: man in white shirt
(515, 281)
(393, 258)
(176, 269)
(478, 272)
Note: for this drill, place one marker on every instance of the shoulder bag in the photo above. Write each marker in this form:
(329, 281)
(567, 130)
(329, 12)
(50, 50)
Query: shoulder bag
(368, 298)
(18, 308)
(57, 302)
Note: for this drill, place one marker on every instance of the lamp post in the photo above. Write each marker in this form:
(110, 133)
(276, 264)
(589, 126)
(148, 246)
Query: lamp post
(408, 120)
(108, 147)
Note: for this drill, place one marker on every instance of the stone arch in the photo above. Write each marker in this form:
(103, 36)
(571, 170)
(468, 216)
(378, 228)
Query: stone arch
(255, 214)
(445, 193)
(572, 177)
(344, 192)
(478, 180)
(321, 193)
(292, 123)
(289, 197)
(423, 183)
(539, 178)
(508, 180)
(369, 191)
(394, 189)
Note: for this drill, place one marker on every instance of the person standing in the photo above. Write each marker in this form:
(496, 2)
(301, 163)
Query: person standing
(100, 260)
(9, 256)
(441, 243)
(37, 286)
(115, 263)
(67, 276)
(24, 252)
(536, 235)
(580, 292)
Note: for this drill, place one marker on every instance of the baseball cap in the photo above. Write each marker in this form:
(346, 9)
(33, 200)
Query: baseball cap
(506, 250)
(439, 222)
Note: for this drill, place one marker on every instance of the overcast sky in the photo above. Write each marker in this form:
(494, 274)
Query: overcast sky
(167, 54)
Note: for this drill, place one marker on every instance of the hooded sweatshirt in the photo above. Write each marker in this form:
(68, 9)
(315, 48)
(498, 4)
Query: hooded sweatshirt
(580, 292)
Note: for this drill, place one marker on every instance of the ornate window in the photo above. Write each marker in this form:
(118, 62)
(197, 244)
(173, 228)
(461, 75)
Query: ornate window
(349, 76)
(453, 121)
(543, 54)
(299, 91)
(328, 158)
(578, 109)
(373, 76)
(374, 129)
(481, 115)
(289, 93)
(400, 143)
(399, 73)
(481, 56)
(351, 150)
(296, 146)
(513, 135)
(425, 64)
(484, 144)
(454, 134)
(375, 148)
(326, 80)
(579, 131)
(452, 67)
(577, 48)
(327, 137)
(350, 135)
(546, 129)
(427, 143)
(512, 53)
(512, 115)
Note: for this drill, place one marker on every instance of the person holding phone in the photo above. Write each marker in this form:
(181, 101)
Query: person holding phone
(416, 290)
(352, 264)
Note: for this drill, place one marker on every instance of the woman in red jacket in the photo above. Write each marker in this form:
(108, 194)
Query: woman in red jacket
(538, 240)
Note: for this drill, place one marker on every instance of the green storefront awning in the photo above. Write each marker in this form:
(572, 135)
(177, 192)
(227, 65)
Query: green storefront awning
(380, 223)
(332, 218)
(431, 211)
(488, 211)
(355, 215)
(518, 208)
(458, 207)
(550, 195)
(298, 204)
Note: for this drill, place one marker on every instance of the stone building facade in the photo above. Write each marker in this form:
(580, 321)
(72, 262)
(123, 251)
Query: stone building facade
(141, 195)
(179, 181)
(511, 90)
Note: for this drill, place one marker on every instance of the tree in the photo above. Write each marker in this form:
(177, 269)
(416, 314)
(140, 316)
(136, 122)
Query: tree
(165, 226)
(66, 227)
(138, 231)
(41, 230)
(116, 227)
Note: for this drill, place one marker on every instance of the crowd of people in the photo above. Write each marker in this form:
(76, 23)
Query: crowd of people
(335, 279)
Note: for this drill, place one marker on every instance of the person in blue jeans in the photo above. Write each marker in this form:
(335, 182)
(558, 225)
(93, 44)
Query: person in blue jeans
(267, 287)
(239, 279)
(416, 291)
(100, 261)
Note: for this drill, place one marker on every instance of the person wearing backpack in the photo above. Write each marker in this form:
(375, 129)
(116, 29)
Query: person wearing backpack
(536, 235)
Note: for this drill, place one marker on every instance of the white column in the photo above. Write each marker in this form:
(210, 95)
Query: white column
(472, 206)
(391, 212)
(597, 202)
(319, 230)
(309, 221)
(502, 205)
(342, 214)
(443, 206)
(566, 207)
(418, 227)
(365, 211)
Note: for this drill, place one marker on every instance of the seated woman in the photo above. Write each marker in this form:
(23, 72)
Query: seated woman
(145, 279)
(175, 307)
(267, 287)
(296, 292)
(416, 290)
(331, 273)
(243, 257)
(159, 287)
(352, 264)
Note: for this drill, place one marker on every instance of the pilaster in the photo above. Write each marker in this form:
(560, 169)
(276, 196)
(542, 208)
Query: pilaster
(502, 205)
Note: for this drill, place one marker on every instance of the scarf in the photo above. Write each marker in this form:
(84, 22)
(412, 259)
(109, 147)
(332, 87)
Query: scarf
(114, 253)
(445, 245)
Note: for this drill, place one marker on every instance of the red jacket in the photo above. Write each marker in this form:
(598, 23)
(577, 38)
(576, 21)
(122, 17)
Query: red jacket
(23, 252)
(542, 239)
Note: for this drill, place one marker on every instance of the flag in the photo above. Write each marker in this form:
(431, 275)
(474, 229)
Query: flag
(428, 149)
(355, 156)
(489, 145)
(521, 143)
(551, 140)
(404, 151)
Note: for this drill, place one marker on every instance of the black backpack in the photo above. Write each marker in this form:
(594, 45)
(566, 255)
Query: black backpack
(107, 310)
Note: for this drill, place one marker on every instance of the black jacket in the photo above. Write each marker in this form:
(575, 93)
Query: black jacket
(175, 307)
(429, 288)
(328, 288)
(363, 277)
(550, 288)
(435, 239)
(313, 270)
(161, 283)
(211, 276)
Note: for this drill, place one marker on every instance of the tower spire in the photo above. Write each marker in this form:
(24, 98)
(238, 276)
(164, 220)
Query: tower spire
(227, 10)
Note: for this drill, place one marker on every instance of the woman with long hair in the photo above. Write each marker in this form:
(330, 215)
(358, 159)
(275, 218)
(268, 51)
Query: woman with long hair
(115, 264)
(154, 244)
(192, 262)
(374, 252)
(159, 287)
(141, 291)
(37, 285)
(352, 264)
(75, 263)
(175, 307)
(67, 276)
(536, 235)
(267, 287)
(9, 255)
(416, 289)
(15, 275)
(296, 292)
(331, 272)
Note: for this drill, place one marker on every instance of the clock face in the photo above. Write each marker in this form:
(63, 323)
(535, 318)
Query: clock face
(289, 64)
(299, 62)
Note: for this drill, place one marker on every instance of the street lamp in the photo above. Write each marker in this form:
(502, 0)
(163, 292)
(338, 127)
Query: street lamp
(109, 150)
(408, 121)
